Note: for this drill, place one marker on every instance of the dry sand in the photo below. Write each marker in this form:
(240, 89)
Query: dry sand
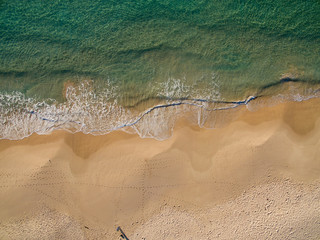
(255, 178)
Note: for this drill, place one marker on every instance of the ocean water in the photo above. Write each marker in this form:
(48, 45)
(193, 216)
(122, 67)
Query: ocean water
(100, 66)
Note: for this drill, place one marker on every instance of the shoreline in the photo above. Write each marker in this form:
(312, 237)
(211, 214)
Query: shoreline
(193, 185)
(87, 113)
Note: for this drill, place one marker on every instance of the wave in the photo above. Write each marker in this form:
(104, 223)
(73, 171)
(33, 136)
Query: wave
(100, 113)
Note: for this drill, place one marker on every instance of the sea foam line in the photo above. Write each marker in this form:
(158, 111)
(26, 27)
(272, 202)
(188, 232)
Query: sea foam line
(148, 111)
(90, 113)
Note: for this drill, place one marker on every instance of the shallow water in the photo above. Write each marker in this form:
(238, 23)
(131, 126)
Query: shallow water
(97, 66)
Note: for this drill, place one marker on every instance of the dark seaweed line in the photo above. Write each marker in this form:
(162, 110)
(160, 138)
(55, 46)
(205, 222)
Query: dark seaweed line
(181, 99)
(234, 105)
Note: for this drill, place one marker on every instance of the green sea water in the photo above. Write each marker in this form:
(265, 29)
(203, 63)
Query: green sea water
(150, 51)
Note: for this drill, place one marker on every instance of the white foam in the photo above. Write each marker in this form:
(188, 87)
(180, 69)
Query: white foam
(83, 111)
(99, 112)
(176, 88)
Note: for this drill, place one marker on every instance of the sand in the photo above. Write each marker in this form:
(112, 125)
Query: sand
(257, 177)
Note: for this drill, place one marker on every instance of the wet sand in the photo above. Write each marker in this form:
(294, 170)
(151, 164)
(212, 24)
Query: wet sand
(257, 177)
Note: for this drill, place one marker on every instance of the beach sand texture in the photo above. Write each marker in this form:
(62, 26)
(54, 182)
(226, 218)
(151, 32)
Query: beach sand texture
(258, 177)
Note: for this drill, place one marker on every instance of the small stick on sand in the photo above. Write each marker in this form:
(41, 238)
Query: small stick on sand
(122, 233)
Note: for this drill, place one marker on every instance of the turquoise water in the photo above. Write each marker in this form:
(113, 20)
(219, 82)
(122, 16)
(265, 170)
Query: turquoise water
(121, 58)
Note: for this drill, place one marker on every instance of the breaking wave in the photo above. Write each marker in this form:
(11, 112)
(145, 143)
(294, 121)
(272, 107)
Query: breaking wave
(87, 111)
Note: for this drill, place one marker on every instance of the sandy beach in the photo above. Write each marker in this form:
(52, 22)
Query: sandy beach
(257, 177)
